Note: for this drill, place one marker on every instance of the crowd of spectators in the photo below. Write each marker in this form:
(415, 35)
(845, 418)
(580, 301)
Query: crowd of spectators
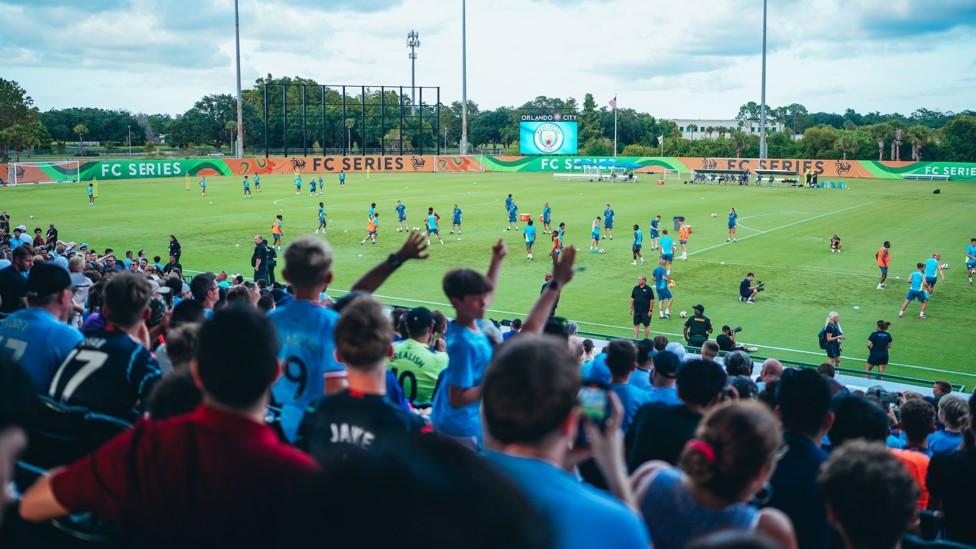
(265, 414)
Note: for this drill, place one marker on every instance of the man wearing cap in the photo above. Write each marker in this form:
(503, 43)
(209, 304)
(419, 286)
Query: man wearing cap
(13, 280)
(697, 327)
(15, 240)
(415, 365)
(37, 337)
(111, 371)
(664, 370)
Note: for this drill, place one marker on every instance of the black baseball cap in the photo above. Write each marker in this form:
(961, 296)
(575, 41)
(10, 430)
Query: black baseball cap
(418, 320)
(47, 279)
(666, 364)
(699, 308)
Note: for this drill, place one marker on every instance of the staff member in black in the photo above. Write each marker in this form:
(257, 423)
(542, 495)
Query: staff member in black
(175, 249)
(642, 305)
(697, 327)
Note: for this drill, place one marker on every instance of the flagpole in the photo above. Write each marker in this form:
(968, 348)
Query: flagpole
(615, 126)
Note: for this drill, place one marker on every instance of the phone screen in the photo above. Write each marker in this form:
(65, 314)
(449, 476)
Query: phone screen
(595, 405)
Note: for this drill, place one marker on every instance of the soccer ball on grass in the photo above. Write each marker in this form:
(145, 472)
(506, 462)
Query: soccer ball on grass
(683, 314)
(943, 266)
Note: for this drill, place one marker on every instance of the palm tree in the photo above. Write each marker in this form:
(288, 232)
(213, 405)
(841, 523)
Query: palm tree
(739, 141)
(81, 130)
(350, 122)
(847, 142)
(918, 136)
(896, 144)
(709, 130)
(231, 127)
(881, 132)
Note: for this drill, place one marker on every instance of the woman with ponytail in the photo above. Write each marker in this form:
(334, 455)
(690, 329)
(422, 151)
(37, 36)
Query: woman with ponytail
(729, 461)
(878, 344)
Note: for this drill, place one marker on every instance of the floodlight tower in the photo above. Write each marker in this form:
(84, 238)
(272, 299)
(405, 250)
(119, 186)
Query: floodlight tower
(464, 79)
(762, 115)
(240, 122)
(413, 42)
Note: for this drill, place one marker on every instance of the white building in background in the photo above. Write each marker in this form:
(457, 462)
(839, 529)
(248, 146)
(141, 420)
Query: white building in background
(694, 129)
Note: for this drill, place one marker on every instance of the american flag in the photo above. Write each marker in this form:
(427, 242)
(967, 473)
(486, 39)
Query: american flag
(613, 103)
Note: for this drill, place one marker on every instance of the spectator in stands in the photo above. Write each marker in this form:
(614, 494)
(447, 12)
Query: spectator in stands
(81, 283)
(37, 337)
(216, 476)
(664, 370)
(175, 395)
(126, 369)
(917, 422)
(709, 350)
(13, 281)
(660, 432)
(433, 507)
(396, 319)
(804, 410)
(660, 343)
(731, 457)
(588, 347)
(415, 364)
(173, 265)
(621, 359)
(305, 330)
(359, 416)
(17, 404)
(745, 387)
(514, 328)
(952, 480)
(827, 370)
(952, 414)
(772, 370)
(870, 497)
(940, 389)
(204, 289)
(531, 417)
(856, 417)
(641, 378)
(738, 363)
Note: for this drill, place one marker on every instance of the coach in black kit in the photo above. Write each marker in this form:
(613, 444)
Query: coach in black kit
(642, 305)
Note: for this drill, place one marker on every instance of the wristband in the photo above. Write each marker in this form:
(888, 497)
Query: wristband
(394, 261)
(553, 285)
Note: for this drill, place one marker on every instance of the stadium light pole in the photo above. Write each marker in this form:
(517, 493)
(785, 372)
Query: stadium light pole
(413, 42)
(240, 126)
(130, 141)
(762, 115)
(463, 150)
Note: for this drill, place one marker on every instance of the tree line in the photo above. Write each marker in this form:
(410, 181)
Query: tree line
(303, 115)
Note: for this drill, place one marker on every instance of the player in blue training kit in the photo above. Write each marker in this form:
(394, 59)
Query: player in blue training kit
(432, 218)
(546, 219)
(247, 188)
(661, 281)
(933, 268)
(608, 222)
(321, 185)
(401, 212)
(456, 221)
(918, 290)
(655, 231)
(203, 186)
(91, 194)
(529, 234)
(512, 216)
(342, 178)
(667, 250)
(305, 330)
(971, 259)
(595, 236)
(372, 211)
(638, 242)
(257, 183)
(311, 186)
(733, 221)
(321, 219)
(508, 203)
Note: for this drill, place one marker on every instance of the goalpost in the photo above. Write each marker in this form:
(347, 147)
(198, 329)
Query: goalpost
(671, 174)
(64, 171)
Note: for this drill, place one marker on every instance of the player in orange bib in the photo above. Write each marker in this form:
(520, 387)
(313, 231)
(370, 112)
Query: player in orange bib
(371, 228)
(276, 231)
(683, 232)
(883, 256)
(557, 246)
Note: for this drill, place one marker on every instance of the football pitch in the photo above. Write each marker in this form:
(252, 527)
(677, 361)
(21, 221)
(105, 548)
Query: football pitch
(783, 238)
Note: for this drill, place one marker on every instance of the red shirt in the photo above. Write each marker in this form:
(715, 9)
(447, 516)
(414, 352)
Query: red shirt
(208, 478)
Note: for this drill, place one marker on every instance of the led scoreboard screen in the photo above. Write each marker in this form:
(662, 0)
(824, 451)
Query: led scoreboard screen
(547, 134)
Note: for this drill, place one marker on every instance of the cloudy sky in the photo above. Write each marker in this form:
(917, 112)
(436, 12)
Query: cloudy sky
(688, 59)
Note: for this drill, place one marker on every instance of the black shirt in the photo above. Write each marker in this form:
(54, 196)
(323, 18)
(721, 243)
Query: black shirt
(13, 286)
(108, 372)
(52, 236)
(167, 268)
(952, 479)
(174, 248)
(745, 290)
(725, 343)
(698, 326)
(338, 424)
(659, 432)
(642, 296)
(260, 252)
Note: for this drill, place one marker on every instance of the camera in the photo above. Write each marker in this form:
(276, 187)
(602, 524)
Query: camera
(759, 286)
(737, 329)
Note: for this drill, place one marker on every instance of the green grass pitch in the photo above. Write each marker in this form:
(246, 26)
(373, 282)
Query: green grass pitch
(783, 238)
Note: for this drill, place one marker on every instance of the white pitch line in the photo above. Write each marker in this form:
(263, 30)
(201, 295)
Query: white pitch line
(625, 328)
(783, 227)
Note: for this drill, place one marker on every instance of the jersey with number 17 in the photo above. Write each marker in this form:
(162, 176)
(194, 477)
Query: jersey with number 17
(305, 332)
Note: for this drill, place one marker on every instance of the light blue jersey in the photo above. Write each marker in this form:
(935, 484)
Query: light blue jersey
(654, 228)
(257, 180)
(372, 212)
(916, 279)
(733, 219)
(546, 214)
(401, 211)
(595, 233)
(970, 254)
(457, 216)
(608, 218)
(305, 330)
(432, 222)
(513, 212)
(931, 266)
(660, 283)
(298, 182)
(38, 342)
(469, 353)
(667, 245)
(638, 238)
(529, 233)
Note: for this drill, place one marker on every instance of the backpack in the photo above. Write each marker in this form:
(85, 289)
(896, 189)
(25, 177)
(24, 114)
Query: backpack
(822, 337)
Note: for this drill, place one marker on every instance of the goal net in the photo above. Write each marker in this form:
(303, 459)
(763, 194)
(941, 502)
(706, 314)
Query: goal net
(671, 174)
(65, 171)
